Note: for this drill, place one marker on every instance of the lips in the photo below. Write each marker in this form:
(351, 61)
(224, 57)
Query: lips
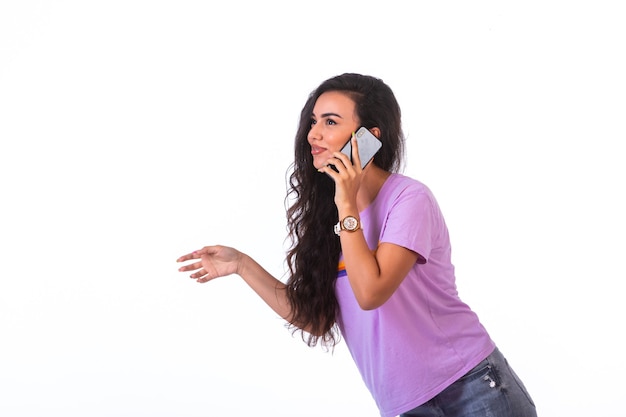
(316, 150)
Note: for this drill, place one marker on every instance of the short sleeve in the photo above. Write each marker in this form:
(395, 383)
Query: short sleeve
(411, 221)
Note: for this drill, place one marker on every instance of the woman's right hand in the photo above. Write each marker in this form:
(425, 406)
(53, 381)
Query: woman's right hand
(212, 262)
(217, 261)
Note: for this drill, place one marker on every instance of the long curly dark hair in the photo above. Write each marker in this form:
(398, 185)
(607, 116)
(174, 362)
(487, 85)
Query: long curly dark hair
(314, 254)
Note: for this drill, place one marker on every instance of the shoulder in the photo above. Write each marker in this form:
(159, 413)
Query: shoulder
(399, 185)
(406, 196)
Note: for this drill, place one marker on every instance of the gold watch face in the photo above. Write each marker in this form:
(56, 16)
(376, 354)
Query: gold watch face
(350, 223)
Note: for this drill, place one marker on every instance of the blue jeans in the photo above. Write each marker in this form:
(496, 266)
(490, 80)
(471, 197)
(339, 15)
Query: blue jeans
(490, 389)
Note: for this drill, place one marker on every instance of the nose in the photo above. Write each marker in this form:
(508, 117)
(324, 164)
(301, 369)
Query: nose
(314, 133)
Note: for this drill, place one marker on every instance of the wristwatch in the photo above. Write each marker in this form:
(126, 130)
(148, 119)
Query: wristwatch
(349, 223)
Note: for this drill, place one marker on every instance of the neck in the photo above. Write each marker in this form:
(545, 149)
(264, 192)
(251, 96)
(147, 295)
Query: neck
(373, 179)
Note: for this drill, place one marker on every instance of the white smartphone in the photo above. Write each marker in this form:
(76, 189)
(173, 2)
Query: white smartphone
(368, 146)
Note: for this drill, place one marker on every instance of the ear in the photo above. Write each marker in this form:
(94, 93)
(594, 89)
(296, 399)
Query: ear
(375, 131)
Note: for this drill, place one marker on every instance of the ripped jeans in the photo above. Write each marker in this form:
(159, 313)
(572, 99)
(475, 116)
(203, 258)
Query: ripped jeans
(491, 389)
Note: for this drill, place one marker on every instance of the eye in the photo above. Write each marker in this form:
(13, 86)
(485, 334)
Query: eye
(313, 122)
(330, 122)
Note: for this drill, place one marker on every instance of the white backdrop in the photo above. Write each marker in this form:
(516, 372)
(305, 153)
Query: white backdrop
(135, 131)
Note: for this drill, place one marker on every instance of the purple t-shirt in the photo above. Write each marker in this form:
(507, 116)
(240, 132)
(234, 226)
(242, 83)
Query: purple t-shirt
(424, 337)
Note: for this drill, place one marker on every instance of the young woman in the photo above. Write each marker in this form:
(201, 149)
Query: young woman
(371, 258)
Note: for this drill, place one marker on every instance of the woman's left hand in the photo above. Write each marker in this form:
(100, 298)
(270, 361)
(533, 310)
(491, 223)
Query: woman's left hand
(347, 175)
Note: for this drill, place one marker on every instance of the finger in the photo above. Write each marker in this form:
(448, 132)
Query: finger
(197, 254)
(201, 274)
(190, 267)
(329, 169)
(356, 159)
(192, 255)
(341, 161)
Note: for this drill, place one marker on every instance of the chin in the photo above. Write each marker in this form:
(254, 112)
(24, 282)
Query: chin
(317, 164)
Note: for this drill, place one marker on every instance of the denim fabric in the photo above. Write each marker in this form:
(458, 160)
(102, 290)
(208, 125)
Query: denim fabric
(491, 389)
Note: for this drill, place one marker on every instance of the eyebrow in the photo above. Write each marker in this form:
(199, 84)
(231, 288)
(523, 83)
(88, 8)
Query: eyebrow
(324, 115)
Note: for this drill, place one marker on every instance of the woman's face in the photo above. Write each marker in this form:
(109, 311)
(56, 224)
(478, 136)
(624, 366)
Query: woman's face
(332, 123)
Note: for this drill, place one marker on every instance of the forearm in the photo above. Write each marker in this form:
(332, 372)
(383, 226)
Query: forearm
(361, 264)
(374, 275)
(270, 289)
(362, 269)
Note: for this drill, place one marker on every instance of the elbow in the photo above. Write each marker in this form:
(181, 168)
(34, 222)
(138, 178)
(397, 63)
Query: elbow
(371, 301)
(368, 306)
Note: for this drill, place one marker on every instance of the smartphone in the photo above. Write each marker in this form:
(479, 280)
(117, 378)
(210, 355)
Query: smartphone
(368, 146)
